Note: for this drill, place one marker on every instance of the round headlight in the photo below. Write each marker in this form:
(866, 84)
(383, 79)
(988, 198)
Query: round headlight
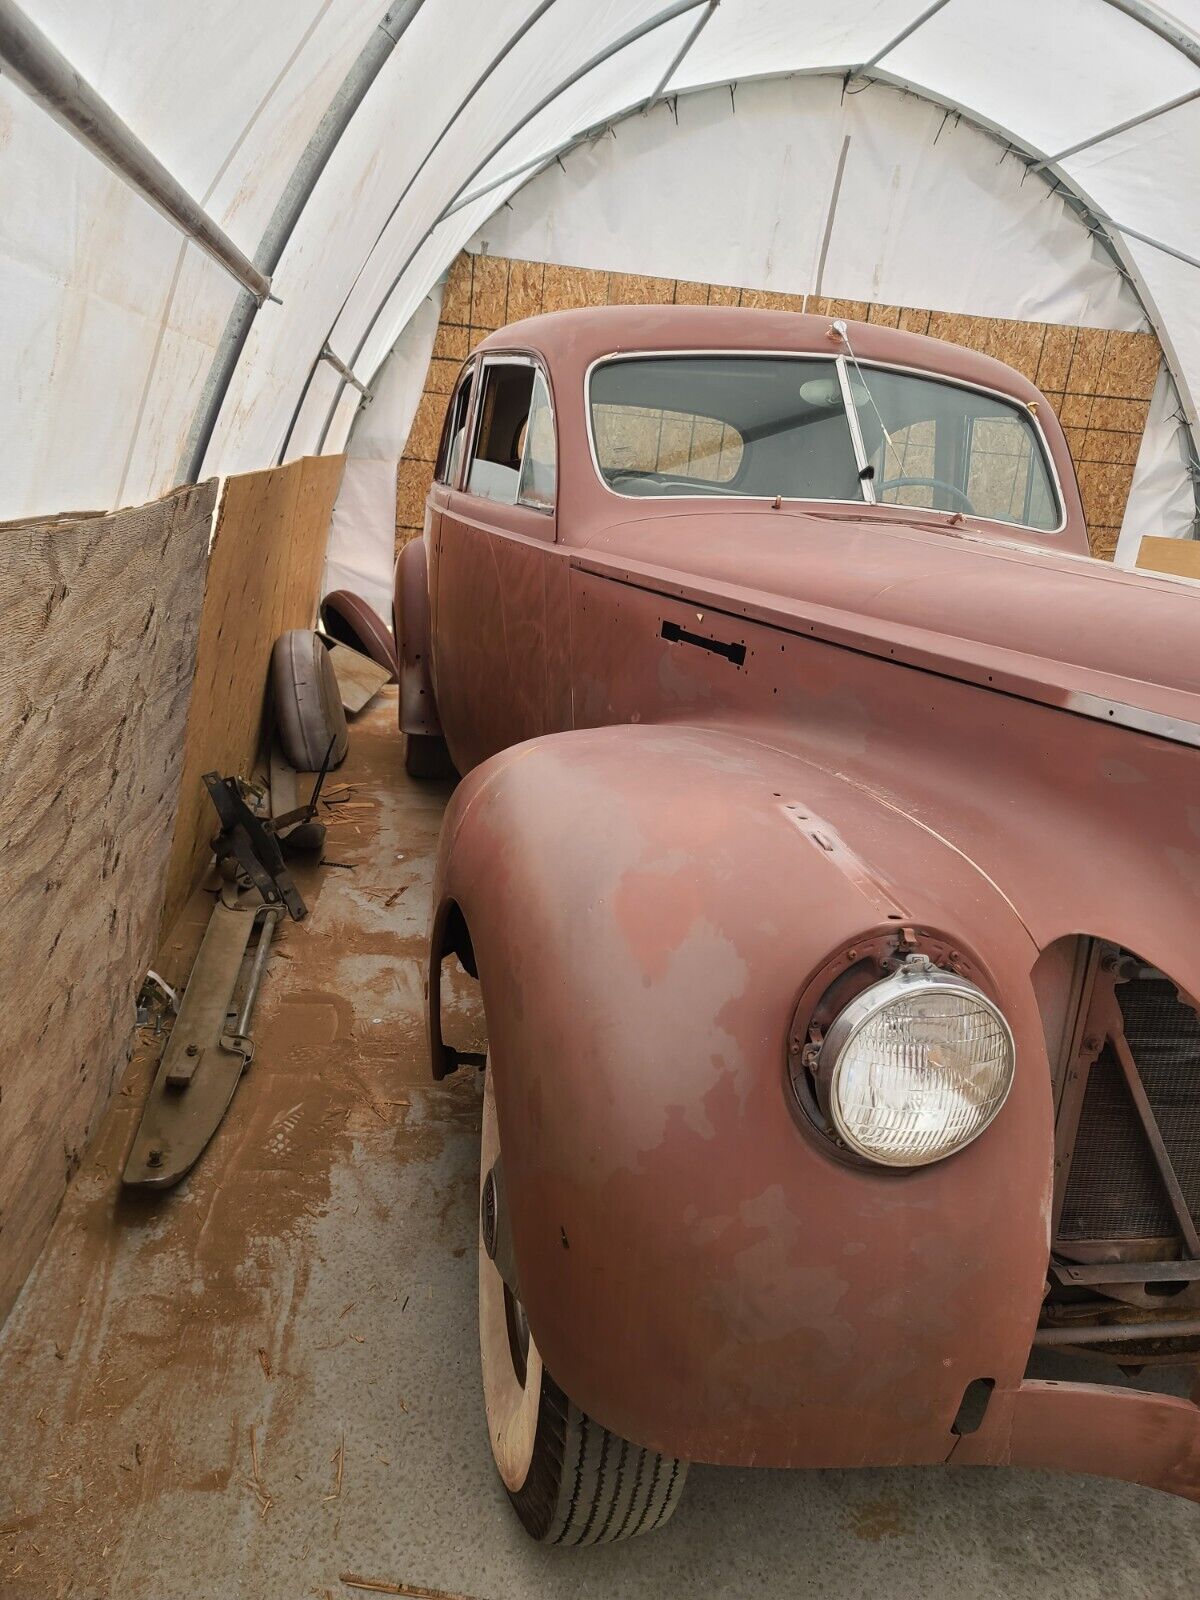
(916, 1066)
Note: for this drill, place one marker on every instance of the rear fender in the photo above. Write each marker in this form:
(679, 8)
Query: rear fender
(411, 624)
(702, 1271)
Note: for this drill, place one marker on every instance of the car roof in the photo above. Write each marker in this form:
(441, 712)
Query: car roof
(577, 338)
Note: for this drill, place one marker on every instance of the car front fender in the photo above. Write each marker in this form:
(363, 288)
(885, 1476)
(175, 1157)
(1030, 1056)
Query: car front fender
(703, 1272)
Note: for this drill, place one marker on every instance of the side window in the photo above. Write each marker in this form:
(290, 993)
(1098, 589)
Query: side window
(539, 469)
(454, 430)
(500, 430)
(514, 458)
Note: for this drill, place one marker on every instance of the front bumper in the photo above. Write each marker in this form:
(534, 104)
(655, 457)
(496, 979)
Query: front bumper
(1152, 1439)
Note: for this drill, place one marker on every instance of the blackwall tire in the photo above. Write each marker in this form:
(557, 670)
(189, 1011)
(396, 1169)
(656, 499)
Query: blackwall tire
(426, 756)
(570, 1480)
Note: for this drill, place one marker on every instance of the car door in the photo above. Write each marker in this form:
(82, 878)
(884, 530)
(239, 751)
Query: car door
(496, 533)
(447, 473)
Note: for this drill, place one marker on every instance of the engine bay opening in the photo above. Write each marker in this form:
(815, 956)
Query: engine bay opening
(1124, 1278)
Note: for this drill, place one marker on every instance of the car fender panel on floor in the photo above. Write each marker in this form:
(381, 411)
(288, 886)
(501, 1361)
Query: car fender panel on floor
(410, 619)
(350, 620)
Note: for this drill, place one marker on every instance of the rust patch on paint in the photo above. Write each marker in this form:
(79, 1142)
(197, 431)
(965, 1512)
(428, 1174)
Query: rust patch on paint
(655, 911)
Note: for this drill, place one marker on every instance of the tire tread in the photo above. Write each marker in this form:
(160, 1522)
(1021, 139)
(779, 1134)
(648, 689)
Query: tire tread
(587, 1485)
(426, 756)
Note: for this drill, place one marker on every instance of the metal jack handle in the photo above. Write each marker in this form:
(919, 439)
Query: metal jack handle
(307, 812)
(239, 1039)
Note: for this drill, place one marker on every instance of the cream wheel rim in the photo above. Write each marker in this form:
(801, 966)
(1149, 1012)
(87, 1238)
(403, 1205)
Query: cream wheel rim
(511, 1398)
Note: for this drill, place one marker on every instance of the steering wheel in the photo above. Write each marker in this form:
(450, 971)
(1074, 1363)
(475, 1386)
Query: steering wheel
(927, 483)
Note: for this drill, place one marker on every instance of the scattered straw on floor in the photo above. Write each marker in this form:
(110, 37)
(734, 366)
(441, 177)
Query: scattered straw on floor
(414, 1591)
(339, 1455)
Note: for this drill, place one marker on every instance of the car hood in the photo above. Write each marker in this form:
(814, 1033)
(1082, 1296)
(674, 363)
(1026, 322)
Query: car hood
(1063, 627)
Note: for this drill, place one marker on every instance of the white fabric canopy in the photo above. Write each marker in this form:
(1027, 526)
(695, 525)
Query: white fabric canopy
(740, 191)
(362, 542)
(115, 326)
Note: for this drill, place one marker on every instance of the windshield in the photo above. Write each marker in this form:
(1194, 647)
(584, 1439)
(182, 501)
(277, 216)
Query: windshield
(762, 426)
(948, 448)
(723, 425)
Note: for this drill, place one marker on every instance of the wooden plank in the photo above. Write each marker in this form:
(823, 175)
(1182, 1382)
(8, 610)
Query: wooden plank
(1178, 557)
(264, 572)
(101, 620)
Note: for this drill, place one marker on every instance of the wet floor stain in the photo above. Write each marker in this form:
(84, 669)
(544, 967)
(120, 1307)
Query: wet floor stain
(268, 1377)
(157, 1327)
(882, 1518)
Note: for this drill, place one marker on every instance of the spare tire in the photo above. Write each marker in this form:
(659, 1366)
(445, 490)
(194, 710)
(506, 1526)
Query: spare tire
(308, 702)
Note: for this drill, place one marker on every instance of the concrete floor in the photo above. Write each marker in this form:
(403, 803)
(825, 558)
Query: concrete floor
(267, 1378)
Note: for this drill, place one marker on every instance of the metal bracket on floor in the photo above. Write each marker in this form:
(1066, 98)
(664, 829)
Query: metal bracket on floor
(247, 843)
(210, 1044)
(209, 1047)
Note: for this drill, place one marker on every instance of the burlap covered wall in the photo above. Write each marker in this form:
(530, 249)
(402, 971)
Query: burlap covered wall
(1099, 382)
(101, 619)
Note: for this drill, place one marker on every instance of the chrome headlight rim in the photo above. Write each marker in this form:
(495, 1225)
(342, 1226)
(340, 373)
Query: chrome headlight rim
(918, 975)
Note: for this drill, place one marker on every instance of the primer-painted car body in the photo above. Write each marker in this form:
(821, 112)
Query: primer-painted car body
(969, 732)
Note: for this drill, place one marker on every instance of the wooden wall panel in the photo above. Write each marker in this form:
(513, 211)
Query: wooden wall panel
(101, 618)
(1179, 558)
(264, 574)
(1099, 382)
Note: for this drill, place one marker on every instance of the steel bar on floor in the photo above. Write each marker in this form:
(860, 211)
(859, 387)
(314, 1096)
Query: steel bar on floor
(1116, 1332)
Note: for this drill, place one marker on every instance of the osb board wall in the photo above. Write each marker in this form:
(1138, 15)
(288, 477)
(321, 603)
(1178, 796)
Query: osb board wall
(101, 619)
(1178, 558)
(263, 576)
(1098, 381)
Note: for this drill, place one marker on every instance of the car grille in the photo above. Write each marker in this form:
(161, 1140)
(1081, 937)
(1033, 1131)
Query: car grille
(1114, 1190)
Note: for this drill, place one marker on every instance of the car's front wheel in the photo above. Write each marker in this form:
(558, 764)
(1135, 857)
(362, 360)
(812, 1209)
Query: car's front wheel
(570, 1480)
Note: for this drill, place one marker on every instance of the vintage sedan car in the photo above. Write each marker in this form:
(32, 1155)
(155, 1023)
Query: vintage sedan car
(828, 854)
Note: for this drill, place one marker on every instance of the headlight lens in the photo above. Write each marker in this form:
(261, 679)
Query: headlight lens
(916, 1066)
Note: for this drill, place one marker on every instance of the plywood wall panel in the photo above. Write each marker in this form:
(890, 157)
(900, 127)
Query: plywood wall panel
(1100, 382)
(101, 619)
(1179, 558)
(263, 578)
